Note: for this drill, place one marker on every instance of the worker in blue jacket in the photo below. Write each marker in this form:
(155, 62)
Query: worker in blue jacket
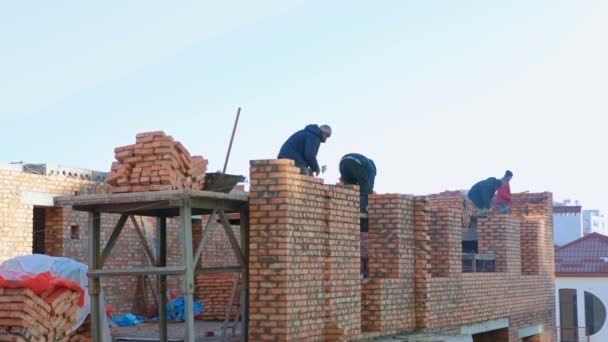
(303, 146)
(359, 170)
(482, 192)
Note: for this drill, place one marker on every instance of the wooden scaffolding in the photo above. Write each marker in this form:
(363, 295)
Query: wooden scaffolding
(162, 205)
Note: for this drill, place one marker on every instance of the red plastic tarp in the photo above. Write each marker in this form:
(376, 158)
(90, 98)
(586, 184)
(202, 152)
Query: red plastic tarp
(41, 282)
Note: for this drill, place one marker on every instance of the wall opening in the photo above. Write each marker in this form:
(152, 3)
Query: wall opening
(75, 232)
(499, 335)
(39, 230)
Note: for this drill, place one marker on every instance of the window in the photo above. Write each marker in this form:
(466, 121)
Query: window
(568, 320)
(595, 313)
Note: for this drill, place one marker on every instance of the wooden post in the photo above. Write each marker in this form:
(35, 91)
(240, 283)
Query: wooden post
(161, 240)
(244, 220)
(94, 281)
(188, 289)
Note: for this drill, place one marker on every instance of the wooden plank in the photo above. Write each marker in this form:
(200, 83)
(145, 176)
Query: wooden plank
(233, 241)
(112, 241)
(149, 196)
(222, 269)
(168, 270)
(211, 203)
(142, 240)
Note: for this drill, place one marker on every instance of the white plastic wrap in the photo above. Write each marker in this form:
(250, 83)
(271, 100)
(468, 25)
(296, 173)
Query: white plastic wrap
(61, 267)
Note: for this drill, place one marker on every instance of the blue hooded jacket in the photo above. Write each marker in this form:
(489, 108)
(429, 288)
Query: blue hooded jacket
(302, 147)
(481, 193)
(368, 165)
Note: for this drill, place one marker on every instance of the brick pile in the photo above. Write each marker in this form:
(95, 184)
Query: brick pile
(25, 316)
(156, 162)
(83, 333)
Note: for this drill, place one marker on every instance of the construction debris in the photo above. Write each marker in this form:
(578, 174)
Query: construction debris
(156, 162)
(25, 316)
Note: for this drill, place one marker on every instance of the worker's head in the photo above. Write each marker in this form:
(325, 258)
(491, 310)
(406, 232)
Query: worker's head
(325, 132)
(508, 175)
(497, 183)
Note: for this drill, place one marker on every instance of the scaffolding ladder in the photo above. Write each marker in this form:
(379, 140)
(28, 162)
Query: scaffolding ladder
(234, 302)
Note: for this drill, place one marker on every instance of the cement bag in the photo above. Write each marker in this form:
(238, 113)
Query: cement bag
(59, 267)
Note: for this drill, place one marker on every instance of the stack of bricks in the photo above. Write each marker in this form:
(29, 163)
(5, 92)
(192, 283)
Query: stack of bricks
(25, 316)
(83, 333)
(156, 162)
(304, 256)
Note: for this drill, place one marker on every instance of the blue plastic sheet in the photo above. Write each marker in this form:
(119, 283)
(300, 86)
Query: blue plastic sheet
(127, 319)
(179, 309)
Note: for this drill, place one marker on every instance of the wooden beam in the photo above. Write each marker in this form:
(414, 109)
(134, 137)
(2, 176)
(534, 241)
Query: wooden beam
(221, 269)
(187, 253)
(244, 221)
(233, 241)
(112, 241)
(143, 241)
(95, 266)
(161, 241)
(168, 270)
(206, 233)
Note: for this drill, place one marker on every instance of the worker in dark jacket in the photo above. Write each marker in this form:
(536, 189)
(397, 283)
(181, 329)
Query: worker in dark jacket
(482, 192)
(303, 146)
(360, 170)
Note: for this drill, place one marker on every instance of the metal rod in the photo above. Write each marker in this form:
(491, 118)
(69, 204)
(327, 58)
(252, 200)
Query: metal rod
(236, 122)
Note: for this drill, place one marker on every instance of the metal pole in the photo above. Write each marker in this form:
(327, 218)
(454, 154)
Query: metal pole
(94, 281)
(236, 122)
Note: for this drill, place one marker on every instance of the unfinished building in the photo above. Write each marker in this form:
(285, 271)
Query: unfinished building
(317, 270)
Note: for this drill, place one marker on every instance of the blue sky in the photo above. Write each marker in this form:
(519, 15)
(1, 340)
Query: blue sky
(440, 94)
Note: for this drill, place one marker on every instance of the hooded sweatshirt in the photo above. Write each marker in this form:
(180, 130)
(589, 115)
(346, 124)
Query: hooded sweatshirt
(302, 147)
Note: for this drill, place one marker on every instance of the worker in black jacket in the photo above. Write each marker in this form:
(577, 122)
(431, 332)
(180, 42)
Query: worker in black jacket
(303, 146)
(482, 192)
(357, 169)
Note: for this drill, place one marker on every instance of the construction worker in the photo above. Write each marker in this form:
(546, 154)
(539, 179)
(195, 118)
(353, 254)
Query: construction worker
(503, 195)
(482, 192)
(359, 170)
(303, 146)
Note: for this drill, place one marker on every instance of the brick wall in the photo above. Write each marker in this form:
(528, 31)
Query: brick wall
(304, 256)
(214, 289)
(124, 294)
(414, 246)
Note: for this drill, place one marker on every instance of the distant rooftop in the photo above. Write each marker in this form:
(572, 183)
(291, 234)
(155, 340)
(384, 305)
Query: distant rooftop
(586, 257)
(55, 170)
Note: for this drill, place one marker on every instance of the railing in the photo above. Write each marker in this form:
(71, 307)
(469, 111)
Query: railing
(573, 334)
(473, 262)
